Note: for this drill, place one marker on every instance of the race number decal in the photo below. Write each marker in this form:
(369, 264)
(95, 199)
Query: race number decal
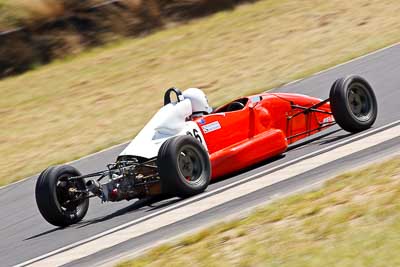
(194, 131)
(195, 134)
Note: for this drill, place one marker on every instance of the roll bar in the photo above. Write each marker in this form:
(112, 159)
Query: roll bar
(167, 95)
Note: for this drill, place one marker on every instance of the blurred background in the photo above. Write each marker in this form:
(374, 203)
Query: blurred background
(38, 31)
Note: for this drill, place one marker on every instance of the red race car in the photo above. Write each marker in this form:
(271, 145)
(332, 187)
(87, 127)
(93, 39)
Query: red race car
(186, 144)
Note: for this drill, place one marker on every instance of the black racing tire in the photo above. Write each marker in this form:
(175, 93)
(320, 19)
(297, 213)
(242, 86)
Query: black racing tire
(353, 103)
(184, 167)
(52, 192)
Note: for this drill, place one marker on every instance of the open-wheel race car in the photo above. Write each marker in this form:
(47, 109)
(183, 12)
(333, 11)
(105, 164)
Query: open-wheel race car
(186, 144)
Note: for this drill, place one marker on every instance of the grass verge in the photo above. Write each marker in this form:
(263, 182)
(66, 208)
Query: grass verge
(353, 220)
(80, 105)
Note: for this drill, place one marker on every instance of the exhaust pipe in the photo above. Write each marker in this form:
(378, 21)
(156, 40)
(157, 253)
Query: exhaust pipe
(94, 187)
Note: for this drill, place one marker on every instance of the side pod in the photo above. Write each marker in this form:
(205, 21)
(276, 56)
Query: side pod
(248, 152)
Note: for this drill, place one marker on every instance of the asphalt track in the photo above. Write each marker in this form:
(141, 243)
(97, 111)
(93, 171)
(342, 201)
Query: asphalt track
(25, 235)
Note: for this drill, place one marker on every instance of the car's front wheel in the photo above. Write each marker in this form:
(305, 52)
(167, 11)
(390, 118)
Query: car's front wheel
(61, 201)
(353, 103)
(184, 166)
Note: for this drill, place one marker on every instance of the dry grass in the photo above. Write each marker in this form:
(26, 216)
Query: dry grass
(7, 16)
(352, 221)
(54, 29)
(40, 10)
(80, 105)
(14, 13)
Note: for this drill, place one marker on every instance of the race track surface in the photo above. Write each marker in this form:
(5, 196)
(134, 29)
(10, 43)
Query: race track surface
(25, 235)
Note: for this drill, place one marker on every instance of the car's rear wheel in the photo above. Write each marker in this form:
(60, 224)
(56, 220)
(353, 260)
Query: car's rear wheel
(353, 103)
(61, 201)
(184, 167)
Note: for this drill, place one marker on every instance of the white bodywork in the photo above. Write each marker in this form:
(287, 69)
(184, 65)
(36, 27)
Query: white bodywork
(169, 121)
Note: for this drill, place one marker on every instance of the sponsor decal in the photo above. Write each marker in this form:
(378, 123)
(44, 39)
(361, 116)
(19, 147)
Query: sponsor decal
(211, 127)
(202, 121)
(328, 119)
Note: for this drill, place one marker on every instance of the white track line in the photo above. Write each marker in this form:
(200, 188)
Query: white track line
(292, 82)
(69, 162)
(342, 64)
(173, 214)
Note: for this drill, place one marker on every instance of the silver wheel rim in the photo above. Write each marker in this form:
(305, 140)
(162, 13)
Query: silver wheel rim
(190, 165)
(360, 102)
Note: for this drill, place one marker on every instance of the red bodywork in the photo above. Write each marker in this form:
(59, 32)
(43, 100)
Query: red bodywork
(262, 129)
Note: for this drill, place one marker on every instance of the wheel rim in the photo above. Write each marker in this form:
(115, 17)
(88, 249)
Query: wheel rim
(360, 102)
(68, 200)
(190, 165)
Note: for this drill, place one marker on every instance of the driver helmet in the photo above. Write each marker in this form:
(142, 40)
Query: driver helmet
(199, 101)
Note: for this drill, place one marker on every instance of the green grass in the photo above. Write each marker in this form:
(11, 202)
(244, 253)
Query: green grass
(353, 220)
(80, 105)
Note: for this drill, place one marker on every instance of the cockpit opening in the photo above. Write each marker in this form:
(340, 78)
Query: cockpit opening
(235, 105)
